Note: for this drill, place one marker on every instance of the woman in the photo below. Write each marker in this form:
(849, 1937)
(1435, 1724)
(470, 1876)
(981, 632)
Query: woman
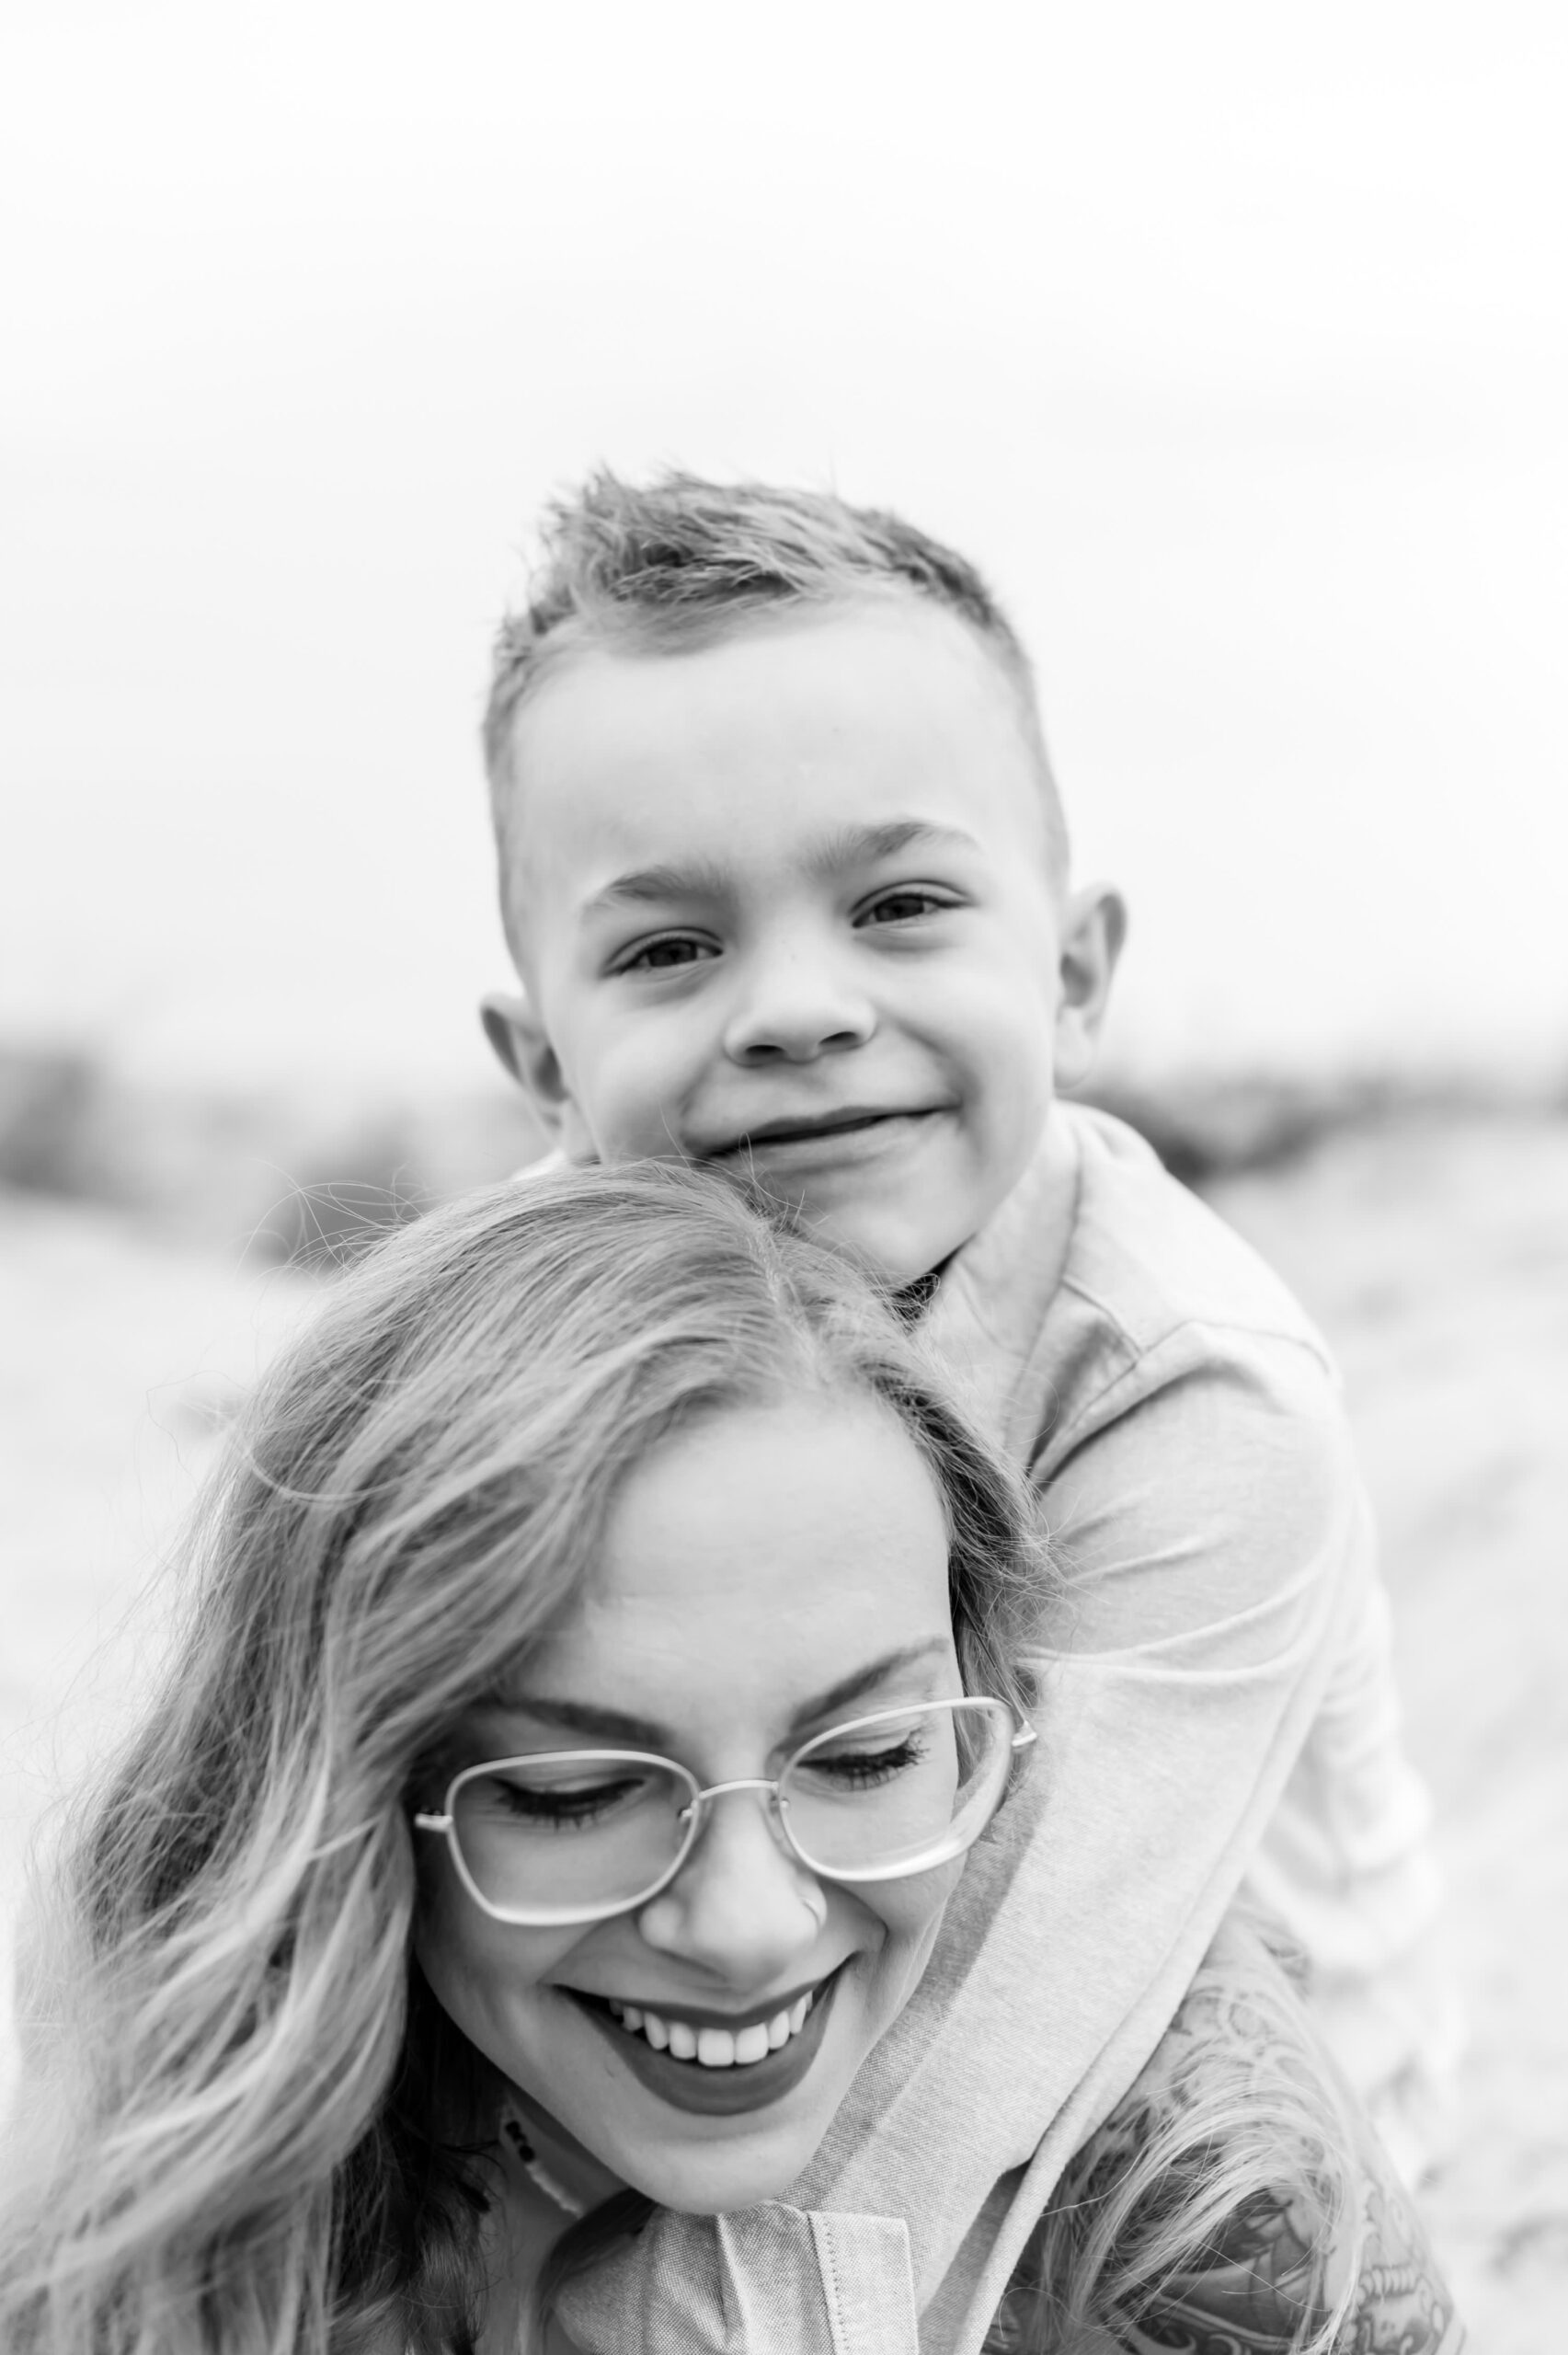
(605, 1653)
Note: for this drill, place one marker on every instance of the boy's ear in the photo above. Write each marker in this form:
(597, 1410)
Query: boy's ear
(1094, 927)
(521, 1044)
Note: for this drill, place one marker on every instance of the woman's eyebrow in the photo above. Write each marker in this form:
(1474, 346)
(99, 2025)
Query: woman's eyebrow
(643, 1734)
(585, 1716)
(865, 1679)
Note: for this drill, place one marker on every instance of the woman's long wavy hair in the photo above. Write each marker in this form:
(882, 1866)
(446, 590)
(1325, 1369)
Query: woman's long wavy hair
(1226, 2175)
(245, 2124)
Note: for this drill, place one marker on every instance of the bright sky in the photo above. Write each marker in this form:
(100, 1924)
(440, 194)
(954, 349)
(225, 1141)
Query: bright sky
(1233, 340)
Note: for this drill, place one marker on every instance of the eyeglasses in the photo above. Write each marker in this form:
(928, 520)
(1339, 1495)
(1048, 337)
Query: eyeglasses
(569, 1837)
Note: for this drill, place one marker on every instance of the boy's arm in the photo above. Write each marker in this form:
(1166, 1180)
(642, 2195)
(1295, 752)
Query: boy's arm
(1219, 1561)
(1214, 1539)
(1212, 1480)
(1198, 1506)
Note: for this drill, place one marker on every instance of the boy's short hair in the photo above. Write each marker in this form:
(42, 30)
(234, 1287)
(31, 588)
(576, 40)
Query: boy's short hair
(678, 563)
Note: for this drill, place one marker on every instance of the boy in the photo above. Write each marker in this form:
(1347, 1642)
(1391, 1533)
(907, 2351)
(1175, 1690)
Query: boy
(785, 878)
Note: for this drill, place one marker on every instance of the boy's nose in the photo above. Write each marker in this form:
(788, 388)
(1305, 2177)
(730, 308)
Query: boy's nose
(795, 1006)
(742, 1908)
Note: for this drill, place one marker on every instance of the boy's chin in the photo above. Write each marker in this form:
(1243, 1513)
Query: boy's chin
(899, 1250)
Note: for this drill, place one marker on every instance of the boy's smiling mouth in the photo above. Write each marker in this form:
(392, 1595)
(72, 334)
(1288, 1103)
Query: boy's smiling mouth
(806, 1133)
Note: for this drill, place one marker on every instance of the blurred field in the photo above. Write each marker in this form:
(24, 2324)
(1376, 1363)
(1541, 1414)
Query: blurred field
(1436, 1256)
(1433, 1249)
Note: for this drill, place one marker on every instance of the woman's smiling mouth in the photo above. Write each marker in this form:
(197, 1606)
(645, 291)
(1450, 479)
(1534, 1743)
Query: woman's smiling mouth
(715, 2047)
(700, 2065)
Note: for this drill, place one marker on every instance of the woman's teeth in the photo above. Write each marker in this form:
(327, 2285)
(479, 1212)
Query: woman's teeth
(712, 2047)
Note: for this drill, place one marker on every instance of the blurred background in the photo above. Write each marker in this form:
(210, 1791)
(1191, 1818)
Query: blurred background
(1233, 342)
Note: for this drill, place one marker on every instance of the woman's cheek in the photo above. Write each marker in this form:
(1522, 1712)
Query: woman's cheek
(479, 1970)
(910, 1913)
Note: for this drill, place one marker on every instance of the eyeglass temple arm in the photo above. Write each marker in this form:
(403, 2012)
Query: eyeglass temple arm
(443, 1822)
(1021, 1741)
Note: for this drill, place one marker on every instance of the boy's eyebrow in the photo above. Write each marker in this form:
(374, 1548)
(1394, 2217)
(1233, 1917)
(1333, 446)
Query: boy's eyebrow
(703, 879)
(861, 846)
(644, 1733)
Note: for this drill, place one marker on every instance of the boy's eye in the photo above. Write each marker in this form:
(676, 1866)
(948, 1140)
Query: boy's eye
(903, 906)
(658, 956)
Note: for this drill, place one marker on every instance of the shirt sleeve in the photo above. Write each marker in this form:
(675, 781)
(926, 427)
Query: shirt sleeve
(1200, 1510)
(1199, 1498)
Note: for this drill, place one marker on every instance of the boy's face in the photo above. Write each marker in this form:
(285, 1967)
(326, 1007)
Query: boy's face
(787, 907)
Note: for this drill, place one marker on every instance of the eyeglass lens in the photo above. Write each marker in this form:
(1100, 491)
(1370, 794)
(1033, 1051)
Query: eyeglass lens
(596, 1828)
(587, 1830)
(881, 1792)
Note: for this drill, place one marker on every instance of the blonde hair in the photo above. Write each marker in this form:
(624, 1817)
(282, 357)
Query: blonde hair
(1239, 2121)
(678, 563)
(246, 2123)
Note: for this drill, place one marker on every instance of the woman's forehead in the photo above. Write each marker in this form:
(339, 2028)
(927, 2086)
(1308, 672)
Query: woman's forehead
(768, 1552)
(777, 1494)
(539, 1711)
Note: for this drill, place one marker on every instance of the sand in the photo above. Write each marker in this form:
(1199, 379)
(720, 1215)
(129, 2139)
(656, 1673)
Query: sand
(1436, 1256)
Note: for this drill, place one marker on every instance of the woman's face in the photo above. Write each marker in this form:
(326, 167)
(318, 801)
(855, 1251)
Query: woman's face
(766, 1574)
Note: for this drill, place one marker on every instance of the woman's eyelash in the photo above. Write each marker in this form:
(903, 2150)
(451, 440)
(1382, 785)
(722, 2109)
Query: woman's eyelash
(863, 1769)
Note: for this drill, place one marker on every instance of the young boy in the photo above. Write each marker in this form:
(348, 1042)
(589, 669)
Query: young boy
(785, 878)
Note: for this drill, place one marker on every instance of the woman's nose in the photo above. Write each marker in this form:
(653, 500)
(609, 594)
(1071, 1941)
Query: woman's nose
(741, 1907)
(798, 999)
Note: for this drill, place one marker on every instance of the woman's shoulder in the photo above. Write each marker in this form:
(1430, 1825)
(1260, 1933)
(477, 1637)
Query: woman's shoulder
(1233, 2198)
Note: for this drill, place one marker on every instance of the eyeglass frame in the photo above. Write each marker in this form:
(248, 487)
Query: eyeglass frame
(694, 1814)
